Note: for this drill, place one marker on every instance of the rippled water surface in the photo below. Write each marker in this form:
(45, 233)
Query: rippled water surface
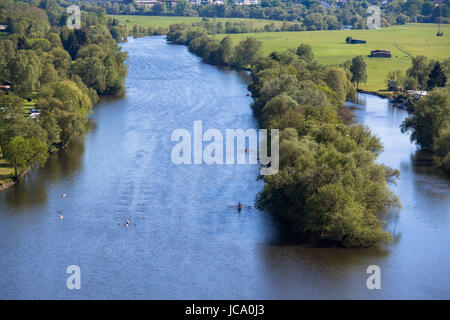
(186, 240)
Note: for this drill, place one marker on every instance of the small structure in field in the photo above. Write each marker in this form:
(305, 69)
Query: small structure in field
(3, 27)
(380, 54)
(350, 40)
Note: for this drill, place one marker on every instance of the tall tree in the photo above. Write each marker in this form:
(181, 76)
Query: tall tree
(437, 77)
(431, 116)
(358, 70)
(22, 153)
(225, 51)
(305, 52)
(24, 71)
(420, 68)
(247, 51)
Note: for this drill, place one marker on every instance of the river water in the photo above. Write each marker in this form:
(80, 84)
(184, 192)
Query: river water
(186, 240)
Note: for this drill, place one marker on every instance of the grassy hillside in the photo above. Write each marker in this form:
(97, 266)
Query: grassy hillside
(330, 47)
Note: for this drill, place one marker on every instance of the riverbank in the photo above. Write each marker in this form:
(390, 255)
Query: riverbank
(384, 95)
(6, 183)
(5, 174)
(189, 242)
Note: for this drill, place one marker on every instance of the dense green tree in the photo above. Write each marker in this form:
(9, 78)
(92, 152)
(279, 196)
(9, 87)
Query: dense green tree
(437, 77)
(24, 70)
(22, 153)
(336, 80)
(305, 52)
(225, 51)
(358, 70)
(430, 118)
(61, 61)
(420, 69)
(247, 51)
(69, 106)
(396, 80)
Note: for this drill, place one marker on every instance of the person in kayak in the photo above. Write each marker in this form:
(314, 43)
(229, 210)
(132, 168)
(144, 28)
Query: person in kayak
(239, 207)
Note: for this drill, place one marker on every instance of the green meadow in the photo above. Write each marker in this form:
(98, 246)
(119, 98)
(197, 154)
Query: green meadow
(165, 22)
(329, 46)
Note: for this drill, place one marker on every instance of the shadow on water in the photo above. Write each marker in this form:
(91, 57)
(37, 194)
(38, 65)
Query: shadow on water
(425, 163)
(31, 191)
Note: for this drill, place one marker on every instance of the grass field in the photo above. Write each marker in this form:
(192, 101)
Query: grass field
(157, 21)
(329, 47)
(29, 105)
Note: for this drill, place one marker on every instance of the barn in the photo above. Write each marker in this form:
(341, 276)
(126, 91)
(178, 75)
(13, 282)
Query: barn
(380, 54)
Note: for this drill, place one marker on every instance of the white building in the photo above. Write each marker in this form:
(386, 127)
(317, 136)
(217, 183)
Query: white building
(148, 3)
(248, 2)
(206, 2)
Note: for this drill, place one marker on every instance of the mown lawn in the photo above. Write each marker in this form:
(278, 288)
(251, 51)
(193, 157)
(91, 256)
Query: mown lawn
(157, 21)
(330, 47)
(29, 105)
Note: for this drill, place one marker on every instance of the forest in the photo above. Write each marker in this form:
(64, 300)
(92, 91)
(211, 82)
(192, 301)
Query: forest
(55, 72)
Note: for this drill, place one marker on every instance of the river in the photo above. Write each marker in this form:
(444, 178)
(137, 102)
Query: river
(186, 241)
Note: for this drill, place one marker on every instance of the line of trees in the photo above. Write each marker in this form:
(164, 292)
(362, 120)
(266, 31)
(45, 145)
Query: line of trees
(423, 74)
(310, 14)
(430, 124)
(329, 189)
(214, 51)
(62, 71)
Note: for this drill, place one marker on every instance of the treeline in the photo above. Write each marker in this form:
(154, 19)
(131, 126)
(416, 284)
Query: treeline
(214, 51)
(308, 14)
(430, 125)
(329, 189)
(59, 73)
(423, 74)
(212, 27)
